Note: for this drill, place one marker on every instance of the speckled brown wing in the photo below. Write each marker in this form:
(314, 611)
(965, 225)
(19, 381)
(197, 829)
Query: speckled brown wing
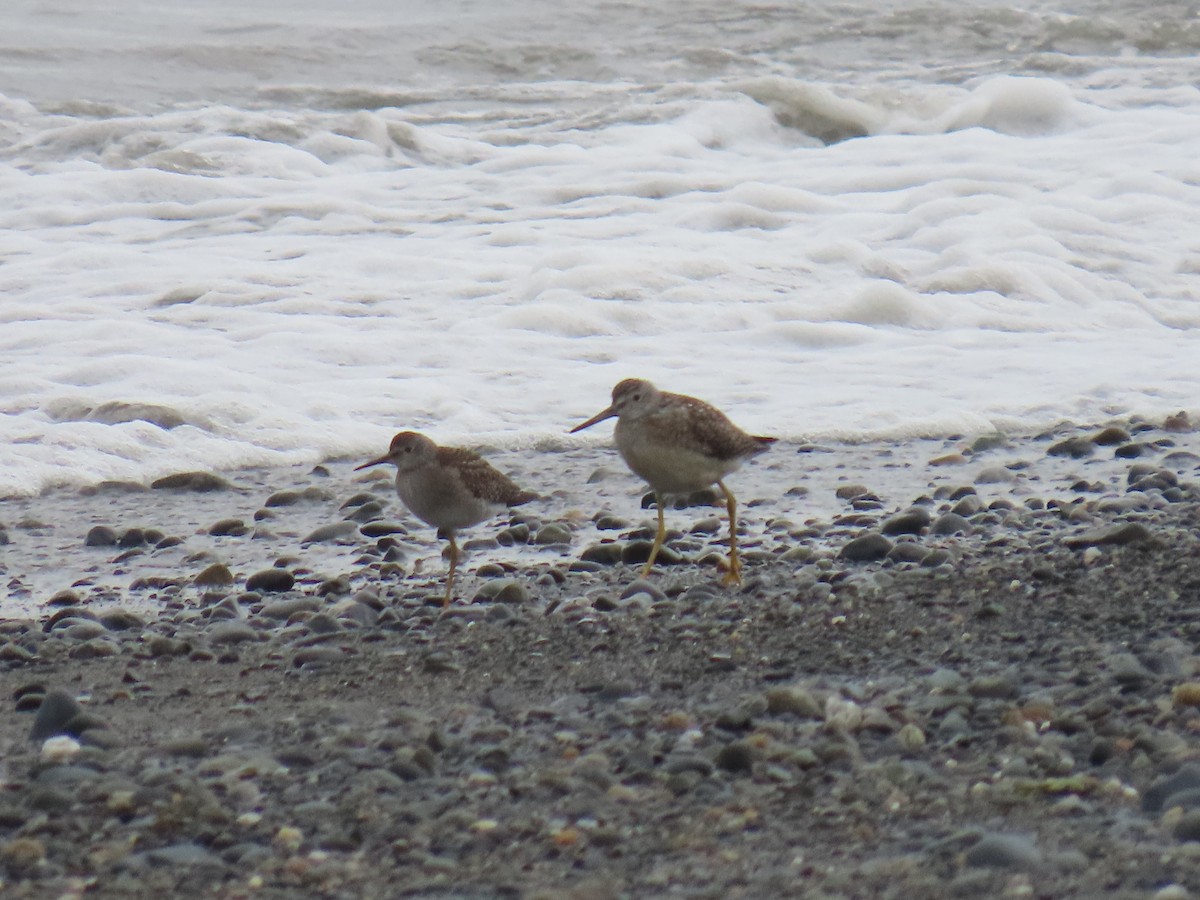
(481, 478)
(712, 430)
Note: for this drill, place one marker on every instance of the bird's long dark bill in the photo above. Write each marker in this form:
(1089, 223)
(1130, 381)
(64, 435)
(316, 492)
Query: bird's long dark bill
(374, 462)
(598, 417)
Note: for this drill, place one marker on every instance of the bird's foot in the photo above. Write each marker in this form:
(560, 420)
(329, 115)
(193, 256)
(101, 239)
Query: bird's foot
(733, 573)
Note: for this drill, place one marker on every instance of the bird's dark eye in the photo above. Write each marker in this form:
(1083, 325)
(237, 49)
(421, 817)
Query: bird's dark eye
(408, 449)
(637, 397)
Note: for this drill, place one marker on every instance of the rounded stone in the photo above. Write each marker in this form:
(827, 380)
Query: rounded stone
(794, 700)
(867, 548)
(1186, 694)
(228, 528)
(381, 528)
(1073, 447)
(1186, 779)
(58, 708)
(285, 609)
(605, 554)
(635, 553)
(216, 575)
(1004, 851)
(950, 523)
(908, 552)
(274, 580)
(334, 531)
(552, 533)
(736, 757)
(911, 521)
(199, 482)
(1188, 826)
(993, 687)
(100, 536)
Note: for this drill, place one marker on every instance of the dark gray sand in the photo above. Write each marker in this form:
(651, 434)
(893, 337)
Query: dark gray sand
(959, 668)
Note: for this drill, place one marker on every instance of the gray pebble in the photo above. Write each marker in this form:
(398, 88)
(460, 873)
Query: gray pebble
(286, 608)
(851, 492)
(907, 552)
(132, 537)
(1187, 799)
(993, 687)
(794, 700)
(968, 506)
(334, 531)
(911, 521)
(1188, 826)
(380, 528)
(1075, 447)
(15, 653)
(199, 482)
(1129, 671)
(508, 590)
(737, 757)
(1186, 779)
(215, 575)
(607, 553)
(994, 475)
(353, 611)
(121, 620)
(1004, 851)
(83, 631)
(57, 709)
(642, 586)
(867, 548)
(1113, 434)
(273, 580)
(100, 536)
(611, 523)
(323, 623)
(552, 533)
(1133, 450)
(228, 528)
(1126, 533)
(636, 553)
(950, 523)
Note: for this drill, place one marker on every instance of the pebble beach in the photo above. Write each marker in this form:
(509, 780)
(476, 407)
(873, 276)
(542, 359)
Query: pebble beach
(963, 667)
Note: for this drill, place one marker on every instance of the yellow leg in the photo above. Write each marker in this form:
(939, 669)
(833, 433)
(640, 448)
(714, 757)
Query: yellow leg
(658, 538)
(734, 576)
(450, 575)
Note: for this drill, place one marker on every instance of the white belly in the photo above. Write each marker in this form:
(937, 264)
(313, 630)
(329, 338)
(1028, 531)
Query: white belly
(439, 499)
(669, 468)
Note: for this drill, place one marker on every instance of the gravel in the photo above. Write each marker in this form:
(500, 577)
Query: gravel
(998, 698)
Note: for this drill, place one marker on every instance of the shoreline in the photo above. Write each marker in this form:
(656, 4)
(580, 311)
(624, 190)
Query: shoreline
(959, 682)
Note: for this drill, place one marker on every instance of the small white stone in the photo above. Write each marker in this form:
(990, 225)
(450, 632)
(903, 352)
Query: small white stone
(60, 749)
(843, 714)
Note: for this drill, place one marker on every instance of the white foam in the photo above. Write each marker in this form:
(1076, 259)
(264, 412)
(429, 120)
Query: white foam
(483, 260)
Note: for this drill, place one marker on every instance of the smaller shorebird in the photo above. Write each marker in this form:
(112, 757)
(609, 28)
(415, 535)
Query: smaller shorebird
(448, 488)
(678, 444)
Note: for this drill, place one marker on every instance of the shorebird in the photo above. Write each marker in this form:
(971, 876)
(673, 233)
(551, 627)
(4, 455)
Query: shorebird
(448, 487)
(679, 444)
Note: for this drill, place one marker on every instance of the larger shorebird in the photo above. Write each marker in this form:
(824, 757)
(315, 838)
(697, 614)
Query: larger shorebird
(678, 444)
(448, 487)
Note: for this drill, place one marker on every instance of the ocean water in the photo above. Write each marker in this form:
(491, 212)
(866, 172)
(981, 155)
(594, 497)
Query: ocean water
(265, 233)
